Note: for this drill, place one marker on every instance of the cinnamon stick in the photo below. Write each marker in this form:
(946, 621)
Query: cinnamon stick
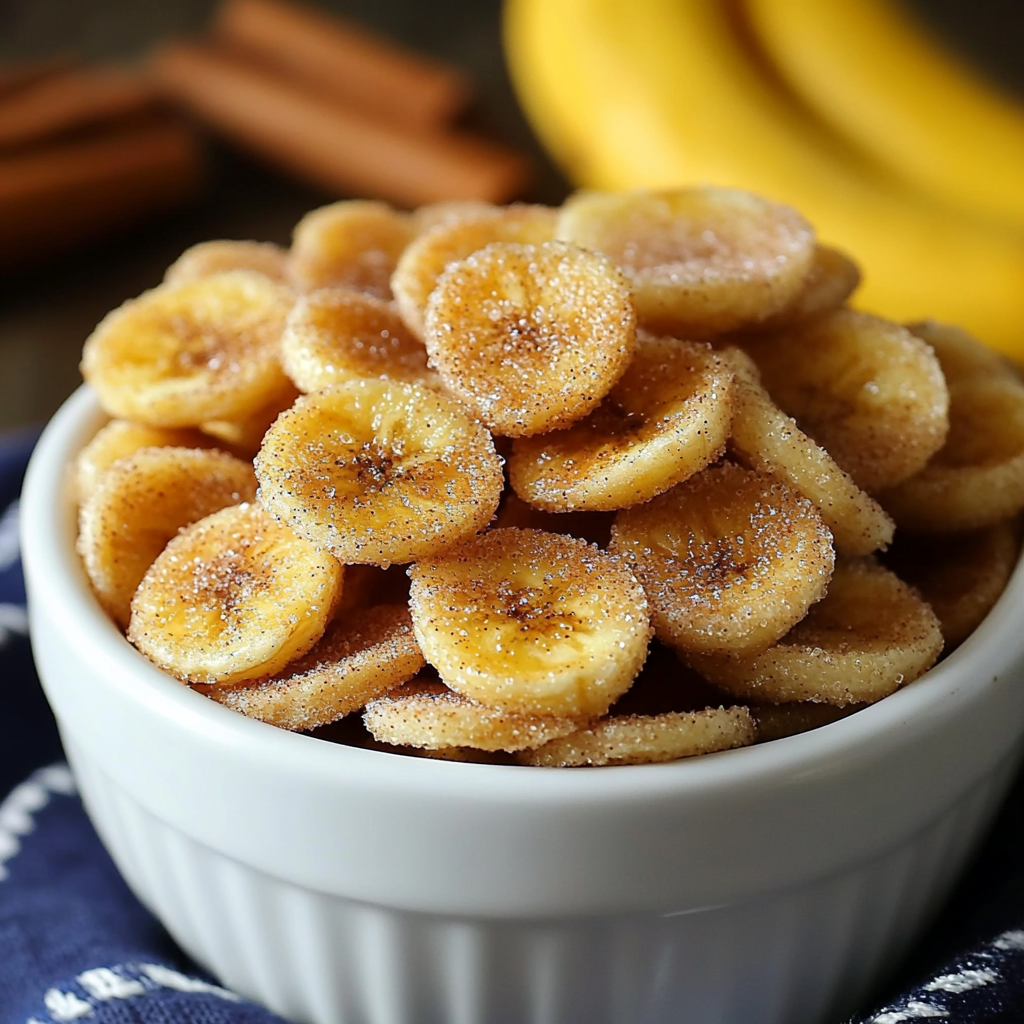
(327, 144)
(58, 195)
(70, 100)
(345, 61)
(24, 72)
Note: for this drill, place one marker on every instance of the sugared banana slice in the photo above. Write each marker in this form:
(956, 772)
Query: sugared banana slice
(961, 356)
(701, 260)
(593, 527)
(530, 621)
(832, 279)
(336, 334)
(244, 436)
(352, 244)
(378, 471)
(455, 238)
(864, 388)
(977, 478)
(766, 439)
(120, 438)
(360, 657)
(140, 502)
(183, 354)
(960, 576)
(235, 596)
(774, 721)
(730, 560)
(870, 635)
(667, 418)
(215, 257)
(638, 739)
(429, 715)
(529, 337)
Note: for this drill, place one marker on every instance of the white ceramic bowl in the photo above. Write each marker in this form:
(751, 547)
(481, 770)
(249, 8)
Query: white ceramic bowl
(340, 885)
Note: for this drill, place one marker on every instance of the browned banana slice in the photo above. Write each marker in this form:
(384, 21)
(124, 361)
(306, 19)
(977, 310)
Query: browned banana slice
(977, 478)
(701, 260)
(666, 419)
(141, 502)
(352, 244)
(122, 437)
(961, 356)
(832, 279)
(531, 338)
(336, 334)
(638, 739)
(531, 621)
(768, 440)
(360, 657)
(870, 635)
(864, 388)
(774, 721)
(961, 576)
(455, 238)
(429, 715)
(183, 354)
(730, 560)
(234, 597)
(377, 471)
(208, 258)
(593, 527)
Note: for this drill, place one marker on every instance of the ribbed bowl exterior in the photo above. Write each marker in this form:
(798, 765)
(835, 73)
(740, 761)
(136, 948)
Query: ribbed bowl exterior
(801, 956)
(768, 885)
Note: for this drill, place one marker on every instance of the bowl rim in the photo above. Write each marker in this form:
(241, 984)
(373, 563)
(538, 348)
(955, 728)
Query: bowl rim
(56, 574)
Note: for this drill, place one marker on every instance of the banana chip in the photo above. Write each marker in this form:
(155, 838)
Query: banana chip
(864, 388)
(337, 334)
(184, 354)
(701, 261)
(977, 478)
(360, 657)
(429, 715)
(730, 560)
(667, 418)
(636, 739)
(870, 635)
(235, 596)
(377, 471)
(352, 244)
(140, 503)
(529, 621)
(120, 438)
(529, 337)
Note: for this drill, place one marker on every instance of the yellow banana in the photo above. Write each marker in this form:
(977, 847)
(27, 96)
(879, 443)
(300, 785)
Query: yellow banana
(875, 76)
(664, 94)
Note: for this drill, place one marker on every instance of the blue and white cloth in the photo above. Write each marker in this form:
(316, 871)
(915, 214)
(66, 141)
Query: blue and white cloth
(75, 945)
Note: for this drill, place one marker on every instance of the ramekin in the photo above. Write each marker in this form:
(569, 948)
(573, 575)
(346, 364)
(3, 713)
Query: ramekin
(768, 885)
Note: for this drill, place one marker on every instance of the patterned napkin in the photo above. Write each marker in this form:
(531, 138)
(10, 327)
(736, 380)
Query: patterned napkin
(75, 945)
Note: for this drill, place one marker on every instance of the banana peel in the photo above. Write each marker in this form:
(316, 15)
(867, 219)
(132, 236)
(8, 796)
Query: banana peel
(665, 94)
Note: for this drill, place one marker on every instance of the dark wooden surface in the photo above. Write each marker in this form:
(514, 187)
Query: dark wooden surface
(46, 314)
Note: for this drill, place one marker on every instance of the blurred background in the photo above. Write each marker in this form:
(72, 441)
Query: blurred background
(105, 178)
